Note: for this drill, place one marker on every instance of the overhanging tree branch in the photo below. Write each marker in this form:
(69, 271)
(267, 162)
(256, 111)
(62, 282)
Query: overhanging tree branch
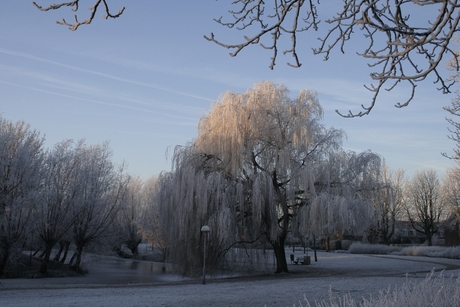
(75, 5)
(401, 46)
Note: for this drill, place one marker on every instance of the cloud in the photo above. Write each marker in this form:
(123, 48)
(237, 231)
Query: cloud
(183, 120)
(109, 76)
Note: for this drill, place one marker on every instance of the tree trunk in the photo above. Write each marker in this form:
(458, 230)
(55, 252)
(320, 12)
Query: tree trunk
(78, 254)
(4, 260)
(429, 240)
(280, 254)
(61, 249)
(133, 247)
(46, 258)
(314, 248)
(328, 247)
(72, 259)
(66, 251)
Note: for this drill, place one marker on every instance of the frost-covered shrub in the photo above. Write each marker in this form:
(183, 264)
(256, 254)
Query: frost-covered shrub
(431, 251)
(363, 248)
(452, 252)
(432, 291)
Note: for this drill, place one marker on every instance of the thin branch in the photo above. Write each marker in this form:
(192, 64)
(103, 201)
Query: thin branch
(399, 47)
(74, 4)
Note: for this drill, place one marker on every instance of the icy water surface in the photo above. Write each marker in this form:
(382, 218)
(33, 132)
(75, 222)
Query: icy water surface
(127, 271)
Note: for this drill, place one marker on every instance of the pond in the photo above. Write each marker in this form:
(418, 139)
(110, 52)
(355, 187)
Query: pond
(111, 270)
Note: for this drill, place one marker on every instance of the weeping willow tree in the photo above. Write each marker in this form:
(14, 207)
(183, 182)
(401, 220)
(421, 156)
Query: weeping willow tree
(244, 175)
(341, 201)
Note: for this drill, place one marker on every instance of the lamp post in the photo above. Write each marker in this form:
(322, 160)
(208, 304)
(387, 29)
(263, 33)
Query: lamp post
(205, 230)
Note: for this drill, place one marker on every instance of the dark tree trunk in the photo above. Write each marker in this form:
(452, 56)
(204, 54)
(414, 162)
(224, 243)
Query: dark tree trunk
(78, 254)
(328, 247)
(133, 247)
(314, 248)
(280, 254)
(429, 240)
(72, 259)
(4, 260)
(61, 249)
(66, 251)
(46, 258)
(278, 245)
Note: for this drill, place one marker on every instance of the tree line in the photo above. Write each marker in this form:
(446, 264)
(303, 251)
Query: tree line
(72, 193)
(262, 169)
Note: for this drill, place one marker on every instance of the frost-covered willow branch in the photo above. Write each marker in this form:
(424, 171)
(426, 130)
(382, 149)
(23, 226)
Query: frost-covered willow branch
(406, 40)
(342, 203)
(75, 6)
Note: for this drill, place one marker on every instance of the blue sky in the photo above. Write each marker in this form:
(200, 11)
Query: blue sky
(142, 82)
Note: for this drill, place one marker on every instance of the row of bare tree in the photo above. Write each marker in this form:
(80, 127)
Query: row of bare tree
(72, 194)
(262, 166)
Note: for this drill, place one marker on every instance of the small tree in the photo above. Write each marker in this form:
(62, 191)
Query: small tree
(52, 216)
(150, 218)
(388, 201)
(101, 190)
(21, 160)
(451, 192)
(424, 205)
(127, 224)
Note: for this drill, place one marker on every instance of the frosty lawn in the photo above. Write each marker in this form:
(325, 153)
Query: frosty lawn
(341, 273)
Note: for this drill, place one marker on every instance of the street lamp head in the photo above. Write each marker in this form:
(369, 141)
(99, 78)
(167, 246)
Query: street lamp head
(205, 228)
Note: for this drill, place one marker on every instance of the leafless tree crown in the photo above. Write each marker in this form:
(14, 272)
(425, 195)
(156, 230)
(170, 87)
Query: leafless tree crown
(75, 5)
(402, 45)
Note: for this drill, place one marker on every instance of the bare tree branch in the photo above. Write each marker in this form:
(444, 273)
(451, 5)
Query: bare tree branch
(400, 48)
(75, 5)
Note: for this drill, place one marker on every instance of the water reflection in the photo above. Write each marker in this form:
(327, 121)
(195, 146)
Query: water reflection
(114, 270)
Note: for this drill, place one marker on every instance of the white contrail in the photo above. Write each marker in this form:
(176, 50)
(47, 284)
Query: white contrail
(35, 58)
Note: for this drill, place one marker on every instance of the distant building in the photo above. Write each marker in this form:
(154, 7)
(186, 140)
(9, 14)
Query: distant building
(406, 234)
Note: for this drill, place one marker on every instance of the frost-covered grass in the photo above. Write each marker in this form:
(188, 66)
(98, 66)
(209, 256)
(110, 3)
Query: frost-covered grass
(427, 251)
(359, 276)
(436, 291)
